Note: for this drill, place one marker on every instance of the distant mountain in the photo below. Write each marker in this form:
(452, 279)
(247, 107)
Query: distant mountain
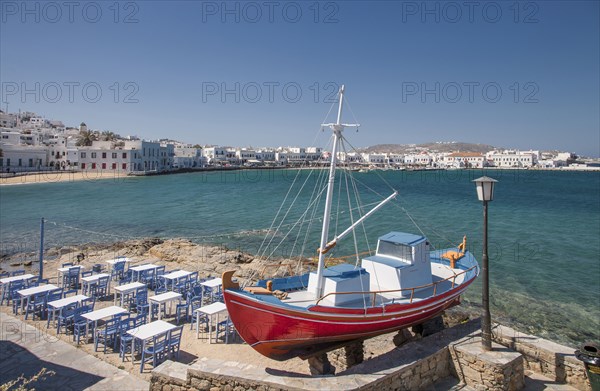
(452, 146)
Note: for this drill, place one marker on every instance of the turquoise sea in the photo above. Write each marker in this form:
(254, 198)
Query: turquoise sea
(544, 227)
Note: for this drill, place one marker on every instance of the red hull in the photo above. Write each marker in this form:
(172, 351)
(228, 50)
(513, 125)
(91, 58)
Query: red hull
(281, 331)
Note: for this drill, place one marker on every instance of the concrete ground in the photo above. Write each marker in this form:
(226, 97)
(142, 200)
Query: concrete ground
(24, 350)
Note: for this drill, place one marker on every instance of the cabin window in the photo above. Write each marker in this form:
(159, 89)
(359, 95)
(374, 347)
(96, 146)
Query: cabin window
(395, 250)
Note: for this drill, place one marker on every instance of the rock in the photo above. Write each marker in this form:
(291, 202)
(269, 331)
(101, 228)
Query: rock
(320, 365)
(402, 337)
(429, 327)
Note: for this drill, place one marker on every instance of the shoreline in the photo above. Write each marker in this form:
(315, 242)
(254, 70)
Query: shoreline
(38, 177)
(209, 259)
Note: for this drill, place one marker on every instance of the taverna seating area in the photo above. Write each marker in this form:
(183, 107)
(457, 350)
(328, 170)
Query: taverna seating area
(138, 311)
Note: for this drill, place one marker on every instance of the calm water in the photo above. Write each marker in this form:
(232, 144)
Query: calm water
(544, 227)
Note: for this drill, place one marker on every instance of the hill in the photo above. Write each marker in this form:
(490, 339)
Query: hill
(451, 146)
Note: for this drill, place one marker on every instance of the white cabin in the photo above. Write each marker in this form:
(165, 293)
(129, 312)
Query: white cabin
(401, 261)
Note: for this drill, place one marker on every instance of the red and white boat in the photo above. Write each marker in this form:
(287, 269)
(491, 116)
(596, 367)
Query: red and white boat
(403, 283)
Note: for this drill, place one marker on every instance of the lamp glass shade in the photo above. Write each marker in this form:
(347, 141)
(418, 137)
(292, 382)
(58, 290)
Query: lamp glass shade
(485, 188)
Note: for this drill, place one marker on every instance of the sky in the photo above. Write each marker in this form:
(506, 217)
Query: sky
(511, 74)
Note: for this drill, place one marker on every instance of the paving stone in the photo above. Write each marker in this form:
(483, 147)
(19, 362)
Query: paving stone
(27, 350)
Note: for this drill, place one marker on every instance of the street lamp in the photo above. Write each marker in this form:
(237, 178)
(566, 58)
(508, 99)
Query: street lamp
(485, 193)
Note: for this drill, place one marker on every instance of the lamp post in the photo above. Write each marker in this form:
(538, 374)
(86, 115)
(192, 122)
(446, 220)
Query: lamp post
(485, 193)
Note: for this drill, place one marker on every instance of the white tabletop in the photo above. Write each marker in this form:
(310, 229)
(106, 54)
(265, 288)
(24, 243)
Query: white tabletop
(150, 330)
(7, 280)
(144, 267)
(215, 282)
(37, 289)
(66, 268)
(129, 287)
(163, 297)
(117, 260)
(104, 313)
(177, 274)
(60, 303)
(95, 277)
(213, 308)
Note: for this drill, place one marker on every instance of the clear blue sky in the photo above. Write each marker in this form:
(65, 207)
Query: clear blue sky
(523, 75)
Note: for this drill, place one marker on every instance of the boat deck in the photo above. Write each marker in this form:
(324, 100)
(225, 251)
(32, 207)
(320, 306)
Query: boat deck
(442, 274)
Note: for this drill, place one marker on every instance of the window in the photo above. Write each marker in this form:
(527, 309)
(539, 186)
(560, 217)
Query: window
(1, 162)
(124, 155)
(30, 162)
(104, 166)
(83, 166)
(114, 166)
(93, 166)
(124, 166)
(103, 155)
(82, 155)
(114, 155)
(93, 155)
(20, 162)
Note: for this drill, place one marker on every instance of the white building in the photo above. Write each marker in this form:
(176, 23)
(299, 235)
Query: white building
(23, 158)
(8, 120)
(513, 159)
(187, 156)
(127, 156)
(464, 160)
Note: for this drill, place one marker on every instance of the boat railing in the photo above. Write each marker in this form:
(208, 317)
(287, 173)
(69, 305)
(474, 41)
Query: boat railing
(412, 289)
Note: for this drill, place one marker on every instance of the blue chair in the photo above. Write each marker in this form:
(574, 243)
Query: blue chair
(140, 298)
(108, 335)
(196, 303)
(87, 274)
(174, 341)
(54, 295)
(80, 325)
(71, 278)
(70, 292)
(155, 352)
(127, 341)
(31, 282)
(66, 264)
(14, 296)
(181, 285)
(19, 272)
(227, 329)
(160, 286)
(87, 305)
(118, 271)
(127, 277)
(66, 317)
(3, 275)
(182, 309)
(192, 280)
(36, 305)
(102, 287)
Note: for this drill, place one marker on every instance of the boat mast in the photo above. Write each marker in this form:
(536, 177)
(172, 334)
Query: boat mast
(337, 128)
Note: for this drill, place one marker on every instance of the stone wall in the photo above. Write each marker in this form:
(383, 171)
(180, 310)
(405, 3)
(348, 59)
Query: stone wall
(413, 366)
(499, 369)
(548, 358)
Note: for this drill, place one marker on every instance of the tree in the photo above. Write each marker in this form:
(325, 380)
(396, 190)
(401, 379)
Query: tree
(107, 136)
(85, 138)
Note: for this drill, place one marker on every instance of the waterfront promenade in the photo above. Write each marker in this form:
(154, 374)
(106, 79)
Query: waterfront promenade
(26, 350)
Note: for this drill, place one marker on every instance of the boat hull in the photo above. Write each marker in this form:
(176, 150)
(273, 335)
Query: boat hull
(281, 332)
